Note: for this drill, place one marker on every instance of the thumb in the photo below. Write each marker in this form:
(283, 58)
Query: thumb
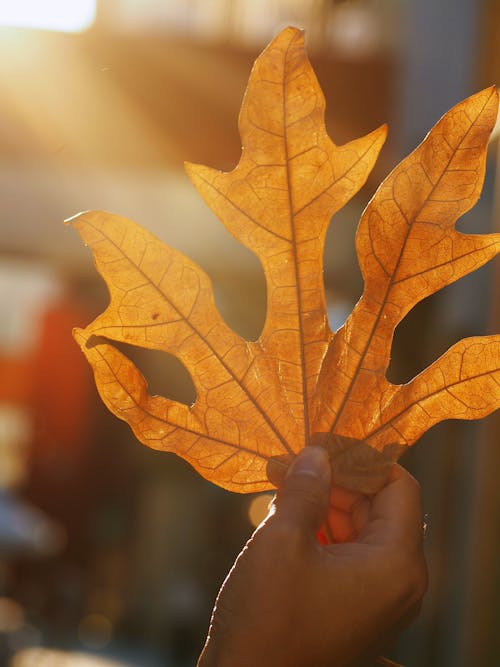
(303, 497)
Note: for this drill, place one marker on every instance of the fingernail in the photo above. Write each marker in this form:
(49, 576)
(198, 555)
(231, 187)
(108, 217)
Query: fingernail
(311, 461)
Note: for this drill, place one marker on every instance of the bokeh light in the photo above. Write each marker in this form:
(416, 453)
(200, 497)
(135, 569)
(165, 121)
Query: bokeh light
(42, 657)
(258, 508)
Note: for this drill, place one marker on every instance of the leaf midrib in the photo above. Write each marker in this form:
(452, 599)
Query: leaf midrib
(291, 216)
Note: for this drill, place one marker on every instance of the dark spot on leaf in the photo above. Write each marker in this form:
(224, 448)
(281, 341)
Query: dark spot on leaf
(92, 342)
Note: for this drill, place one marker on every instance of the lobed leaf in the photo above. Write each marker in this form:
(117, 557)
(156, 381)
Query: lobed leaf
(258, 403)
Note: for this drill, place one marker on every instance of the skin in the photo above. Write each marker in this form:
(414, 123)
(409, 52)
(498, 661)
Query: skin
(291, 601)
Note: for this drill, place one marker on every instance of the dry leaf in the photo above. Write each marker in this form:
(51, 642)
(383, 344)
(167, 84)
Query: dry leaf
(258, 403)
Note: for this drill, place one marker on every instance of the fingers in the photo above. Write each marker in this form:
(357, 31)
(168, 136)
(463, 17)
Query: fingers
(396, 511)
(344, 499)
(347, 514)
(340, 524)
(302, 499)
(305, 498)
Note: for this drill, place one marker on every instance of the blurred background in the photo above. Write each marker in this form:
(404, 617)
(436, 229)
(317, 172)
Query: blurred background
(111, 554)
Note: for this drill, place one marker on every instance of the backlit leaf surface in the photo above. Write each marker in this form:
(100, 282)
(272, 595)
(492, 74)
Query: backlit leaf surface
(258, 403)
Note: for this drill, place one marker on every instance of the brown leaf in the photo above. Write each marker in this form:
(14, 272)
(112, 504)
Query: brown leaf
(258, 403)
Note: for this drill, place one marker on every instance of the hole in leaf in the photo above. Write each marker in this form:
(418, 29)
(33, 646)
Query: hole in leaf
(241, 300)
(343, 280)
(458, 311)
(165, 374)
(479, 219)
(414, 345)
(236, 272)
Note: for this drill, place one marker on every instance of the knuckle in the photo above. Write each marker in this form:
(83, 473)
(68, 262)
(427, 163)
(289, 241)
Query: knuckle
(301, 491)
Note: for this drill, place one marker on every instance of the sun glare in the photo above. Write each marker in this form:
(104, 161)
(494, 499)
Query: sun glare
(60, 15)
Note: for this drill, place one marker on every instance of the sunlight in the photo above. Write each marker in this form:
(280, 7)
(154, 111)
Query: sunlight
(58, 15)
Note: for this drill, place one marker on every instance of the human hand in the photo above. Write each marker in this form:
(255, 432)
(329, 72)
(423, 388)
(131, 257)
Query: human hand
(290, 601)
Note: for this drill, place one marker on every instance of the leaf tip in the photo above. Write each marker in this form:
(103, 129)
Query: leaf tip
(487, 101)
(495, 95)
(79, 217)
(190, 168)
(78, 335)
(491, 93)
(285, 38)
(74, 218)
(383, 130)
(298, 32)
(494, 89)
(379, 135)
(292, 31)
(86, 342)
